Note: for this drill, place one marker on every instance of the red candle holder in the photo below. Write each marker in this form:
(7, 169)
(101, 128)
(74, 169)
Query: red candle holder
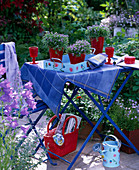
(33, 54)
(109, 51)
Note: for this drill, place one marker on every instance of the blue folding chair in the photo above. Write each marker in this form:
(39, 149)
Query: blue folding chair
(41, 107)
(2, 54)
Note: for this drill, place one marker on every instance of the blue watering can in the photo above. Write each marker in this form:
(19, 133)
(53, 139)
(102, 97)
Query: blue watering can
(110, 152)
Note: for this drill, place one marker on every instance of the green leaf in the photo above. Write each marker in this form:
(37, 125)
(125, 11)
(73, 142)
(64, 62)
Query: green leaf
(118, 33)
(103, 5)
(123, 30)
(123, 35)
(108, 4)
(135, 88)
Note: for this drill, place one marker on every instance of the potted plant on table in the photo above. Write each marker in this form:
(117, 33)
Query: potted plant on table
(96, 33)
(126, 115)
(57, 43)
(78, 50)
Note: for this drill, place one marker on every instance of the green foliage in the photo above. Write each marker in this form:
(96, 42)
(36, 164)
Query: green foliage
(83, 102)
(69, 17)
(22, 49)
(131, 89)
(9, 146)
(125, 113)
(114, 41)
(131, 48)
(96, 4)
(23, 157)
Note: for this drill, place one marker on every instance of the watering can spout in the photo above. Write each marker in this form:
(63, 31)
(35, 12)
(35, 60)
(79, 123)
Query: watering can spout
(97, 148)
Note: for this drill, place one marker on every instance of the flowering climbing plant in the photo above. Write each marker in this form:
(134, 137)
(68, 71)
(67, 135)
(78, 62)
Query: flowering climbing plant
(125, 114)
(13, 104)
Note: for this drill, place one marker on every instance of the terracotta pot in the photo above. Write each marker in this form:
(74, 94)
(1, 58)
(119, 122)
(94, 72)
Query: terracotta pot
(55, 54)
(133, 136)
(97, 44)
(75, 60)
(85, 130)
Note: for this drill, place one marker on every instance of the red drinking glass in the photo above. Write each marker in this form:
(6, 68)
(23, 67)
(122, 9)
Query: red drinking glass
(33, 54)
(109, 51)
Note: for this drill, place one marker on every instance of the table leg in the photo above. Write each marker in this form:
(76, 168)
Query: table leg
(83, 114)
(86, 141)
(101, 108)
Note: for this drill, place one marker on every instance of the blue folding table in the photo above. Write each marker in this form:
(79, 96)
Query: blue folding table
(49, 86)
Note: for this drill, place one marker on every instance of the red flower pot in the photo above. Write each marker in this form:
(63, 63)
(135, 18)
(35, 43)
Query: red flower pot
(97, 44)
(75, 60)
(55, 54)
(133, 136)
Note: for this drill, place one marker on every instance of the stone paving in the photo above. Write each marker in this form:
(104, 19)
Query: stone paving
(88, 160)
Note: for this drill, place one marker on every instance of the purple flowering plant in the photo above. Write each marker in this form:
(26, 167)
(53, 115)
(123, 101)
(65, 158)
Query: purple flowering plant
(126, 19)
(125, 114)
(56, 41)
(96, 31)
(79, 47)
(12, 102)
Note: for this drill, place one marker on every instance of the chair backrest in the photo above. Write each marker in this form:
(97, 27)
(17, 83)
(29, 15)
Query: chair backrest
(2, 54)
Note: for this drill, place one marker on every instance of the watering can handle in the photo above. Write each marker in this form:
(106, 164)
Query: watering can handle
(117, 140)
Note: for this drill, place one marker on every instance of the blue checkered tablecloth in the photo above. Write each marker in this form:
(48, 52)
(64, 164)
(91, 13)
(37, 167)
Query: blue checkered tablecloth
(49, 84)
